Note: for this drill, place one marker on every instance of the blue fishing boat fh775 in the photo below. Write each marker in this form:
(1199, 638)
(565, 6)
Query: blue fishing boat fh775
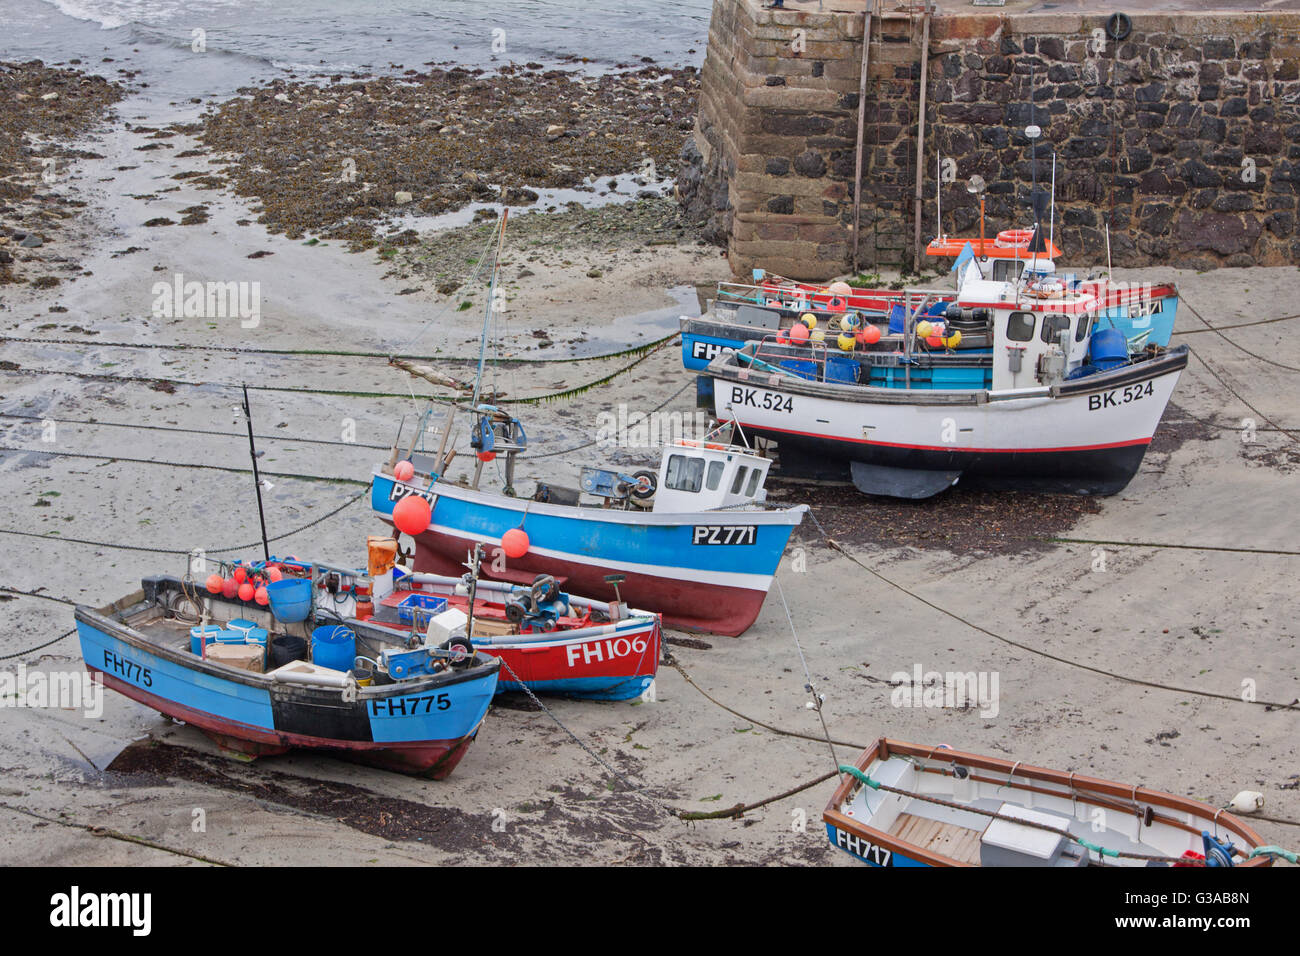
(144, 647)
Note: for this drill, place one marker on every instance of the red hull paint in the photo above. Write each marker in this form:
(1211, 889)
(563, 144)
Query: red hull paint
(539, 664)
(427, 758)
(684, 604)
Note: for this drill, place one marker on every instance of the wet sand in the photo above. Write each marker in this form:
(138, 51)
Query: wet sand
(1189, 617)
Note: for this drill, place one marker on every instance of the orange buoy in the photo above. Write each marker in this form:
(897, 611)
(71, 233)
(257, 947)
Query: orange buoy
(934, 341)
(515, 543)
(404, 471)
(412, 515)
(274, 573)
(486, 455)
(261, 597)
(247, 591)
(240, 575)
(214, 583)
(799, 334)
(870, 335)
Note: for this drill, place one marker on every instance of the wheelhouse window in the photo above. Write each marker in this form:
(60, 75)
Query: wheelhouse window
(714, 476)
(1020, 326)
(739, 479)
(1052, 326)
(1007, 270)
(684, 474)
(1081, 332)
(752, 487)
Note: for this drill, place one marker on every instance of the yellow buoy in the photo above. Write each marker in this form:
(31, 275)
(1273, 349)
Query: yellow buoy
(953, 340)
(809, 320)
(923, 328)
(817, 335)
(846, 341)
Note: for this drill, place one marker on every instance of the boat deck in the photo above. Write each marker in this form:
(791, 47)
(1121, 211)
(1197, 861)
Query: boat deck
(947, 839)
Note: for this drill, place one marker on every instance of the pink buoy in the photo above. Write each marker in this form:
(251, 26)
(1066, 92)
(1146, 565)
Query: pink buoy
(229, 587)
(274, 573)
(404, 471)
(261, 597)
(799, 334)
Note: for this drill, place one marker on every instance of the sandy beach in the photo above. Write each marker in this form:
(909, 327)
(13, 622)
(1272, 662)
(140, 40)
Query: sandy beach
(1121, 652)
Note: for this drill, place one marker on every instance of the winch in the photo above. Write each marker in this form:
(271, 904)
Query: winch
(540, 606)
(616, 486)
(402, 664)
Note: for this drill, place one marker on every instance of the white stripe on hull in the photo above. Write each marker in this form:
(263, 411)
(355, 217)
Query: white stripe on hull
(725, 579)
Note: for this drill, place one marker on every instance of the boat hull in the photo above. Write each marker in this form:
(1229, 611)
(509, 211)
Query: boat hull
(618, 666)
(679, 566)
(423, 731)
(1087, 436)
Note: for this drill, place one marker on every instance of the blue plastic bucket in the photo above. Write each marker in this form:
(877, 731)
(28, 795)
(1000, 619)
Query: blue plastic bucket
(290, 599)
(333, 646)
(1108, 348)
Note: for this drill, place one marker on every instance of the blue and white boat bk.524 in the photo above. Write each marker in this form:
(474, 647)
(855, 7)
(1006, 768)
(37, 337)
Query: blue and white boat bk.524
(1056, 403)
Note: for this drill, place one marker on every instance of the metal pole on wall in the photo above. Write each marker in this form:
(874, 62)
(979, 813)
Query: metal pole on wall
(920, 139)
(862, 111)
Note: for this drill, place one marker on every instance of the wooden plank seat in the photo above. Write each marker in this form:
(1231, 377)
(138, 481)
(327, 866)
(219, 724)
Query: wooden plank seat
(948, 839)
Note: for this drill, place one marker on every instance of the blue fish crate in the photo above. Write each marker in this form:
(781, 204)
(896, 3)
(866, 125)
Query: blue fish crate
(427, 604)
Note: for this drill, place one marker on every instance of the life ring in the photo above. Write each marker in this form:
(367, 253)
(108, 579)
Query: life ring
(1014, 237)
(1119, 26)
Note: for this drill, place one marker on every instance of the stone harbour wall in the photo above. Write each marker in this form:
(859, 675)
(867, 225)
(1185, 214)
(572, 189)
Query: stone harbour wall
(1184, 135)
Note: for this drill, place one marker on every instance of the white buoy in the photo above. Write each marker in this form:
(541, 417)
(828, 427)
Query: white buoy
(1248, 801)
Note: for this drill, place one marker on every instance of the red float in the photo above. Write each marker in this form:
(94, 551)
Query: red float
(515, 543)
(411, 515)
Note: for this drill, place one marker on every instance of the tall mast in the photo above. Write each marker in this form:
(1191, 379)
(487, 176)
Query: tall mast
(487, 317)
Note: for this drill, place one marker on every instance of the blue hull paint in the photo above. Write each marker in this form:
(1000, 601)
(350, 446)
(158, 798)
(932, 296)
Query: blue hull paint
(588, 688)
(231, 701)
(869, 854)
(1159, 324)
